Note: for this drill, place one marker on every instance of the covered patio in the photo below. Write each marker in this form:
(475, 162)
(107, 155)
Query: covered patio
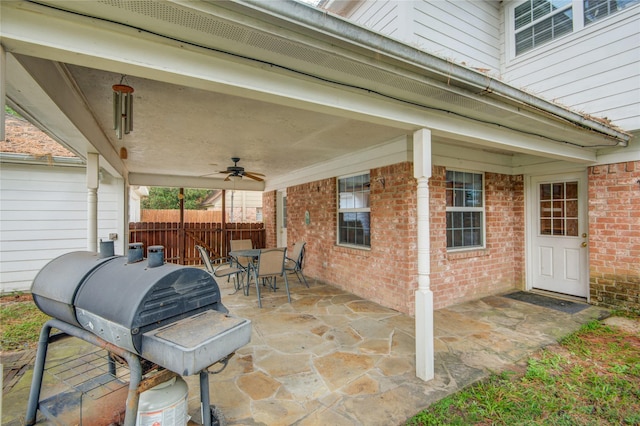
(331, 357)
(302, 98)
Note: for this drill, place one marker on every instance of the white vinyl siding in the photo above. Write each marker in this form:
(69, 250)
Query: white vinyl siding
(245, 205)
(596, 69)
(43, 214)
(463, 31)
(381, 16)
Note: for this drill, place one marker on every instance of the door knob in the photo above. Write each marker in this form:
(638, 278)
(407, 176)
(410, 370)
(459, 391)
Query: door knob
(584, 244)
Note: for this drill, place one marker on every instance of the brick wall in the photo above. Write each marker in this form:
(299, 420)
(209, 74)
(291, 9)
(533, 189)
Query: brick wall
(387, 273)
(468, 275)
(269, 217)
(614, 235)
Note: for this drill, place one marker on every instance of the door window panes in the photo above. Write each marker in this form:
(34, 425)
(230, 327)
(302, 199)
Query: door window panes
(558, 208)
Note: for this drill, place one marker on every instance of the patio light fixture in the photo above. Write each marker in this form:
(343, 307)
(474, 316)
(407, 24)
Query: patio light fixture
(122, 108)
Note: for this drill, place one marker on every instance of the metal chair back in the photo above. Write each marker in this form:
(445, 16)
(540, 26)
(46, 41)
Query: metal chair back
(270, 264)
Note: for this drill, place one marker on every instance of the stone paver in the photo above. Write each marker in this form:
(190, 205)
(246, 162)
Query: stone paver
(331, 357)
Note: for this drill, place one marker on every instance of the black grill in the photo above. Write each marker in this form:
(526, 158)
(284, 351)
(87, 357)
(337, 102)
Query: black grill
(168, 314)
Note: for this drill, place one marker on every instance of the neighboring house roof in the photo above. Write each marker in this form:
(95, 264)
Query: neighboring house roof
(22, 137)
(212, 199)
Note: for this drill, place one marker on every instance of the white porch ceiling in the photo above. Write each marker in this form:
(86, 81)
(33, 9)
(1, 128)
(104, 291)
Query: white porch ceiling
(215, 80)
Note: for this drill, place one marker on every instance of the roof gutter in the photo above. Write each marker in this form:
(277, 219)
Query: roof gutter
(337, 27)
(44, 160)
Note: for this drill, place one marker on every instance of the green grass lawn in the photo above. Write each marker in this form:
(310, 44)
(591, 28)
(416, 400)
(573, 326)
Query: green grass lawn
(591, 377)
(20, 322)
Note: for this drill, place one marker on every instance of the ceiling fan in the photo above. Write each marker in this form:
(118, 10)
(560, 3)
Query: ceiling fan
(236, 171)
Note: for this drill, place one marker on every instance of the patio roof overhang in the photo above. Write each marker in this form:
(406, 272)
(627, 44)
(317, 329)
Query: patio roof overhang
(296, 93)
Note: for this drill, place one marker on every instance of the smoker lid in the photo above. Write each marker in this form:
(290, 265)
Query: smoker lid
(55, 286)
(139, 297)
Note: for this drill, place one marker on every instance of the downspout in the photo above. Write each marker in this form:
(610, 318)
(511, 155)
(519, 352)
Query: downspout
(337, 27)
(93, 182)
(3, 74)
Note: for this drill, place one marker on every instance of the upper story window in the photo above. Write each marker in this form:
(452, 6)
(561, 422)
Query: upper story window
(465, 210)
(536, 22)
(539, 21)
(353, 211)
(598, 9)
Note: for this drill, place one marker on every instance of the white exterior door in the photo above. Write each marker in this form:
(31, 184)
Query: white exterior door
(559, 240)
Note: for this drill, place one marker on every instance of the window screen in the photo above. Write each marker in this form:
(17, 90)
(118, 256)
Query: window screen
(354, 213)
(465, 209)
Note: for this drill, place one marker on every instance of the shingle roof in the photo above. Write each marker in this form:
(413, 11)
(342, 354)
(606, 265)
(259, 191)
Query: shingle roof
(22, 137)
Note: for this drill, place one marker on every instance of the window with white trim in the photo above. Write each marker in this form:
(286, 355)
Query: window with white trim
(354, 212)
(539, 21)
(465, 210)
(598, 9)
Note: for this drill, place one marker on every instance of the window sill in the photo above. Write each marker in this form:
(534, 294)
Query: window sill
(466, 254)
(357, 251)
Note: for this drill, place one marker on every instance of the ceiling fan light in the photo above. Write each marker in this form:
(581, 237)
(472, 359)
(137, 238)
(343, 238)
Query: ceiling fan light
(235, 178)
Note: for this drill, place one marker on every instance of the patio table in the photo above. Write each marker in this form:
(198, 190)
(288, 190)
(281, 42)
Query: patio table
(245, 253)
(253, 254)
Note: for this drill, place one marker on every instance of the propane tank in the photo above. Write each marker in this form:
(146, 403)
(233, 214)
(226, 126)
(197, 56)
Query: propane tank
(164, 404)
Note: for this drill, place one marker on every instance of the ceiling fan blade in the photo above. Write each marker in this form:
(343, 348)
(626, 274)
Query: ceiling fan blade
(228, 178)
(255, 173)
(253, 176)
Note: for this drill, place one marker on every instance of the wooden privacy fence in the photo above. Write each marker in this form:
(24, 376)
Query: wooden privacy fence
(173, 215)
(180, 241)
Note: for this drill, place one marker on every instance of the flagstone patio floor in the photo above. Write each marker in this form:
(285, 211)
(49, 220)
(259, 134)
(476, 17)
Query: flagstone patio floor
(333, 358)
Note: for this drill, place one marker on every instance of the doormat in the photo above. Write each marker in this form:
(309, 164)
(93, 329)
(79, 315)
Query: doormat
(548, 302)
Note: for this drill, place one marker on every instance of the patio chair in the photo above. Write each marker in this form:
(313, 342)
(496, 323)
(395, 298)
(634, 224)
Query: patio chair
(222, 267)
(295, 263)
(242, 261)
(268, 267)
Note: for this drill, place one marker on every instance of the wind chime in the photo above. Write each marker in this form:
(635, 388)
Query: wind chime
(122, 111)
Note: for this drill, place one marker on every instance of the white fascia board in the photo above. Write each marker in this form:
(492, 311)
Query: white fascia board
(549, 168)
(501, 138)
(173, 181)
(51, 88)
(621, 155)
(460, 164)
(397, 151)
(450, 155)
(618, 157)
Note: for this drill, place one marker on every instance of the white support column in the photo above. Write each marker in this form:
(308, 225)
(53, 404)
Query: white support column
(424, 296)
(93, 170)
